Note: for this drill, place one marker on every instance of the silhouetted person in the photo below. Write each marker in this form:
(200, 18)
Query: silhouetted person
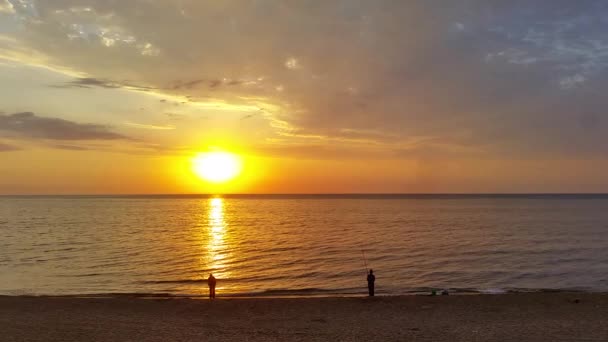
(371, 278)
(211, 282)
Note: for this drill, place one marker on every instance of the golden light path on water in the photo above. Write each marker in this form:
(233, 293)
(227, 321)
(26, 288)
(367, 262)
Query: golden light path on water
(217, 249)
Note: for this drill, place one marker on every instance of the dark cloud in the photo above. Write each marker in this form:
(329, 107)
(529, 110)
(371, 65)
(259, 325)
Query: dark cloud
(29, 125)
(186, 84)
(211, 83)
(7, 148)
(90, 82)
(214, 83)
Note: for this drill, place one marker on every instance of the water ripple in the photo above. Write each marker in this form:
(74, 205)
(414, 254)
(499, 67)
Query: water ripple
(302, 245)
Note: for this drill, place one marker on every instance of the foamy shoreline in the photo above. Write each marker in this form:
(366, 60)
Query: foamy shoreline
(563, 316)
(310, 293)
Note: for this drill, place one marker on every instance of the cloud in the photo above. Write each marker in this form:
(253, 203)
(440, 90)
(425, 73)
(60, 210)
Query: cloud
(7, 148)
(148, 126)
(6, 7)
(186, 84)
(90, 82)
(29, 125)
(292, 63)
(70, 147)
(175, 116)
(318, 152)
(568, 40)
(210, 83)
(508, 78)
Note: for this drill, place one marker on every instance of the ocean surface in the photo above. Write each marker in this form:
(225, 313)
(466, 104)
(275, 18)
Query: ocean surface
(290, 245)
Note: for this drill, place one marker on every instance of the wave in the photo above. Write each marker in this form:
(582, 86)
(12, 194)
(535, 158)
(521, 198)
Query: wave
(204, 281)
(315, 248)
(304, 292)
(347, 292)
(313, 292)
(177, 281)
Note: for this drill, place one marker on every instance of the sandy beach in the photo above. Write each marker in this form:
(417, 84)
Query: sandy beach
(508, 317)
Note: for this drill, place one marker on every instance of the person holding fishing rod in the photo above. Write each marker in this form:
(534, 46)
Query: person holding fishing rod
(371, 278)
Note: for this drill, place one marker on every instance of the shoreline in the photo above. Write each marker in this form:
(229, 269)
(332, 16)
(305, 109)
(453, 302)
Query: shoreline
(555, 316)
(305, 293)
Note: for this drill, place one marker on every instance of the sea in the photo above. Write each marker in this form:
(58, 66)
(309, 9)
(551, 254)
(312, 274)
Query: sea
(302, 245)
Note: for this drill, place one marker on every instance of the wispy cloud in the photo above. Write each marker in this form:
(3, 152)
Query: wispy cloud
(212, 83)
(186, 84)
(70, 147)
(148, 126)
(175, 116)
(569, 41)
(6, 7)
(29, 125)
(91, 82)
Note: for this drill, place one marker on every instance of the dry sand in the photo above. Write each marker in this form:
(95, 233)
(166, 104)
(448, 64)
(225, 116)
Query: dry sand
(509, 317)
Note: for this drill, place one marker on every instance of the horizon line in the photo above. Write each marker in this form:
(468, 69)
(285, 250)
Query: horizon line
(316, 194)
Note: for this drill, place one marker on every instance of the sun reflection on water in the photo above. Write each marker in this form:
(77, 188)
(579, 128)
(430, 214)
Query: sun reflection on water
(217, 249)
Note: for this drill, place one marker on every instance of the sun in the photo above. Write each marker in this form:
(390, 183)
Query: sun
(217, 167)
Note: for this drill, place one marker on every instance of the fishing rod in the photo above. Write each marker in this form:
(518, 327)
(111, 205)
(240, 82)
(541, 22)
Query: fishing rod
(364, 261)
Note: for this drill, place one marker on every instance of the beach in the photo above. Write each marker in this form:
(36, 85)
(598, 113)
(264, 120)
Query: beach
(558, 316)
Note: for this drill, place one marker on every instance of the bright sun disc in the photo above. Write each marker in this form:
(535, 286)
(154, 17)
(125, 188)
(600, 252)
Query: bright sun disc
(217, 167)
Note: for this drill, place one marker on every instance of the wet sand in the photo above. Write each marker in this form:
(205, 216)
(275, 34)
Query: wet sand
(508, 317)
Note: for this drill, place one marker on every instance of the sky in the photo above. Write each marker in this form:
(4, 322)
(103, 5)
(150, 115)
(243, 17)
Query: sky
(342, 96)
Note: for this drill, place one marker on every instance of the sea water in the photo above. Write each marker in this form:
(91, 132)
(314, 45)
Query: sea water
(302, 244)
